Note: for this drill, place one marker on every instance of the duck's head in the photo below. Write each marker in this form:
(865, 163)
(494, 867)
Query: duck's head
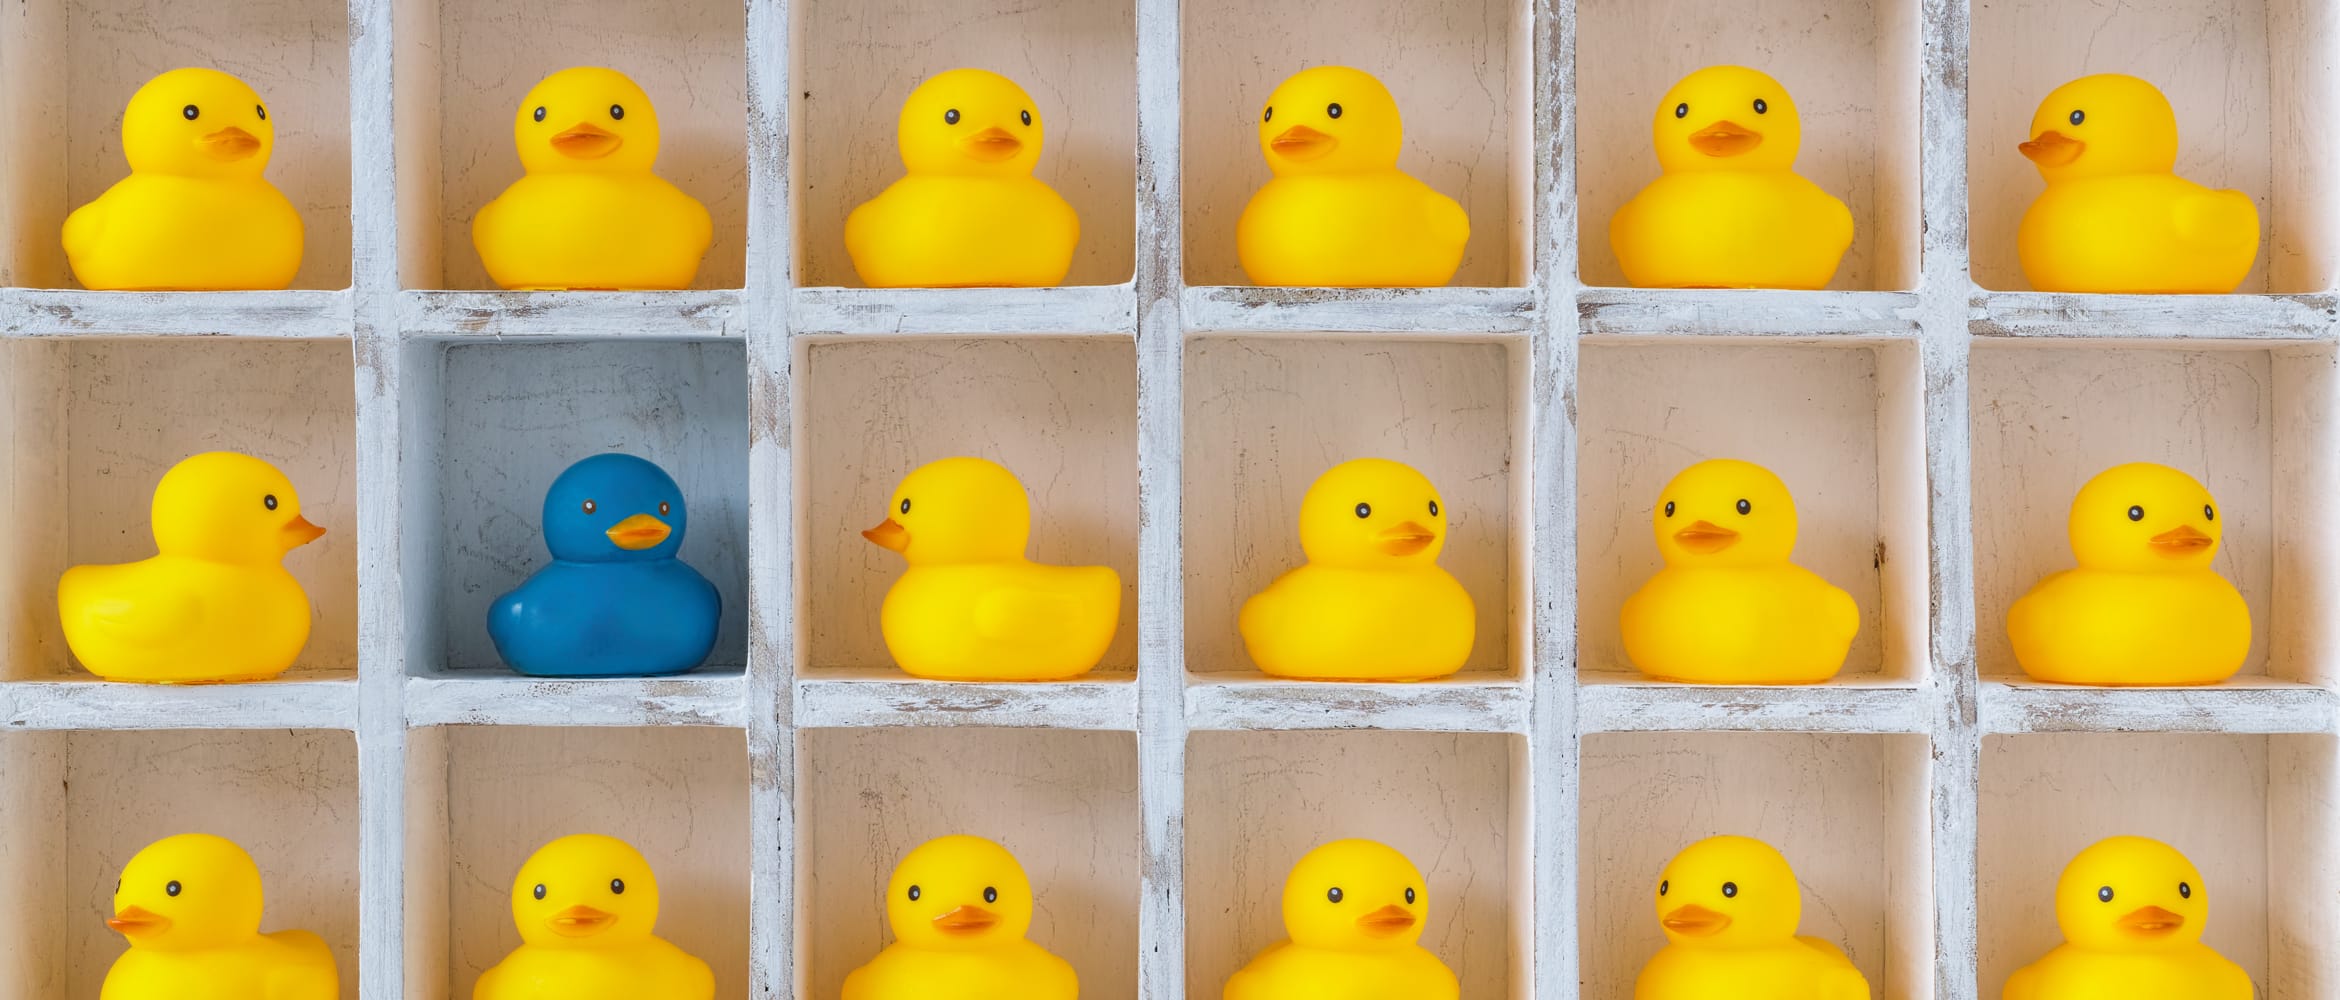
(197, 123)
(2103, 125)
(970, 121)
(1727, 118)
(586, 119)
(585, 891)
(1729, 892)
(2144, 518)
(229, 507)
(957, 510)
(1725, 512)
(2131, 894)
(186, 892)
(614, 508)
(1330, 120)
(959, 893)
(1355, 895)
(1372, 513)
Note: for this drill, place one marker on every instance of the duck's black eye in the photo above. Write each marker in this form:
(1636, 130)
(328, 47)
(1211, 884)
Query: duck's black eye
(1669, 508)
(1682, 111)
(191, 112)
(1332, 111)
(1433, 508)
(617, 112)
(990, 895)
(905, 505)
(2103, 893)
(1333, 894)
(1760, 107)
(2079, 116)
(951, 117)
(914, 894)
(263, 109)
(1027, 118)
(268, 501)
(2136, 513)
(617, 887)
(2185, 891)
(2209, 513)
(539, 114)
(1744, 506)
(539, 890)
(1364, 510)
(172, 889)
(1409, 895)
(665, 507)
(590, 506)
(1730, 890)
(1663, 885)
(1268, 116)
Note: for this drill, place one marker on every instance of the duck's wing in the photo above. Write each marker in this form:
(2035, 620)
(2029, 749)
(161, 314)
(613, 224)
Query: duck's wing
(2220, 219)
(128, 613)
(1034, 603)
(1839, 980)
(309, 973)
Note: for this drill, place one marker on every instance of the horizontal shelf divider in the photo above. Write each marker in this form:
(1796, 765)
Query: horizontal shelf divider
(1066, 310)
(2250, 706)
(687, 315)
(96, 704)
(852, 699)
(67, 312)
(1425, 312)
(713, 699)
(2153, 317)
(1496, 705)
(1743, 312)
(1619, 706)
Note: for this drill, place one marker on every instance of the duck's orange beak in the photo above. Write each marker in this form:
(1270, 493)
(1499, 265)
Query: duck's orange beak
(2053, 149)
(1303, 143)
(1696, 921)
(586, 141)
(992, 145)
(2182, 540)
(2151, 920)
(1725, 138)
(638, 532)
(1405, 539)
(298, 532)
(889, 534)
(581, 921)
(134, 922)
(965, 920)
(1706, 538)
(230, 143)
(1391, 919)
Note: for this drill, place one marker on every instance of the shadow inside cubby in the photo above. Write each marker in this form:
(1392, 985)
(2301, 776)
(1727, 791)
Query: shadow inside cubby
(75, 806)
(1840, 421)
(67, 69)
(1064, 802)
(2253, 423)
(1455, 804)
(856, 61)
(481, 799)
(1853, 70)
(2240, 76)
(1060, 412)
(2255, 814)
(1849, 812)
(1266, 416)
(1460, 70)
(463, 66)
(489, 426)
(91, 426)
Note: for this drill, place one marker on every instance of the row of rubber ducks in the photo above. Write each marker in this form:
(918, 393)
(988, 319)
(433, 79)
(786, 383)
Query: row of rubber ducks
(2143, 606)
(2132, 911)
(1727, 211)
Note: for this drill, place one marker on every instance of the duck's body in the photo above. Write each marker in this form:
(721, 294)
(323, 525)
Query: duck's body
(592, 230)
(1370, 228)
(286, 965)
(1779, 624)
(956, 230)
(1806, 968)
(1731, 229)
(2191, 972)
(162, 232)
(1010, 970)
(1340, 623)
(644, 970)
(180, 619)
(1009, 619)
(190, 907)
(632, 619)
(1288, 971)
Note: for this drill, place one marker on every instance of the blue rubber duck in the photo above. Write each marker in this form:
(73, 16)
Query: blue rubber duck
(615, 602)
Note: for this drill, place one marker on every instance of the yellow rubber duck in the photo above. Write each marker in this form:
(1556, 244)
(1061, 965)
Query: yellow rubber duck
(2132, 911)
(195, 214)
(589, 213)
(190, 907)
(959, 907)
(215, 604)
(968, 212)
(971, 607)
(1355, 911)
(1729, 209)
(586, 906)
(2144, 607)
(1729, 608)
(1730, 907)
(1339, 212)
(1372, 603)
(2114, 218)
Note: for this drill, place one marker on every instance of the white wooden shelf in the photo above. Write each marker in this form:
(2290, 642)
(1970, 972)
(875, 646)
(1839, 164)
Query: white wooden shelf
(1165, 419)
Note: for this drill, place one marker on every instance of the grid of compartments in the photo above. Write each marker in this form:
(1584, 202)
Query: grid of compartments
(1933, 420)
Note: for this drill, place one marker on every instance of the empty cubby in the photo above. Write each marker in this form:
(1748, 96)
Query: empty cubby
(89, 426)
(68, 68)
(2242, 78)
(1839, 421)
(462, 67)
(2253, 813)
(76, 806)
(856, 62)
(1849, 812)
(1460, 70)
(1853, 69)
(1064, 803)
(1265, 416)
(481, 799)
(1453, 803)
(489, 426)
(2253, 423)
(1059, 412)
